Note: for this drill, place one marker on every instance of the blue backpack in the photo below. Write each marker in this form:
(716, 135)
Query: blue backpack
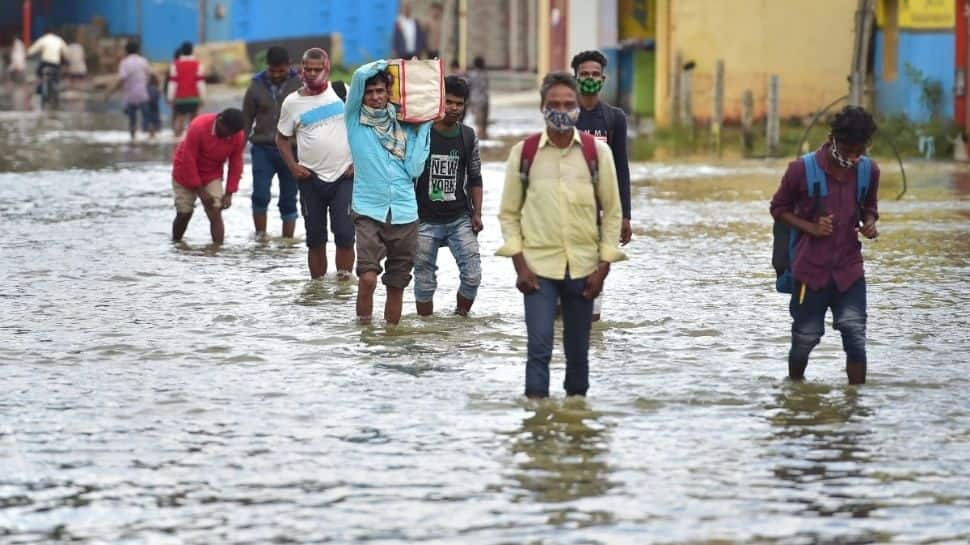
(786, 237)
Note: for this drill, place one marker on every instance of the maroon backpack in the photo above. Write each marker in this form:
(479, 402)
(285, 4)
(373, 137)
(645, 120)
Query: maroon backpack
(530, 147)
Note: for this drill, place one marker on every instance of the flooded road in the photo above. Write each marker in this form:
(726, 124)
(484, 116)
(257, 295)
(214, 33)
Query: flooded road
(169, 394)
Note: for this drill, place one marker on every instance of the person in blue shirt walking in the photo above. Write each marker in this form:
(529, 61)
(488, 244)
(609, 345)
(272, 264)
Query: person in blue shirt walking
(388, 155)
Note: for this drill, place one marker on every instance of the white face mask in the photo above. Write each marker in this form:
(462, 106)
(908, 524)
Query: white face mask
(842, 161)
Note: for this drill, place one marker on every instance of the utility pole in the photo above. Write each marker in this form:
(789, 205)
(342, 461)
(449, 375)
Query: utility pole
(463, 33)
(202, 14)
(27, 17)
(772, 120)
(718, 118)
(860, 51)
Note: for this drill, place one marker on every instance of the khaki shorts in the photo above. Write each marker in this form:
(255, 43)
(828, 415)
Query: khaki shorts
(396, 245)
(185, 197)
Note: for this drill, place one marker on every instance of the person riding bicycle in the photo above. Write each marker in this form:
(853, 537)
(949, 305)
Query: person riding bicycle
(51, 48)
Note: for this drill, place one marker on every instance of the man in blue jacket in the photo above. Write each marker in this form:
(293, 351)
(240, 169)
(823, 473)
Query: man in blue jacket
(388, 155)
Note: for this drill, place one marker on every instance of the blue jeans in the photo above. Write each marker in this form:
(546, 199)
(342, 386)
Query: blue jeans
(132, 110)
(540, 318)
(463, 243)
(267, 161)
(848, 316)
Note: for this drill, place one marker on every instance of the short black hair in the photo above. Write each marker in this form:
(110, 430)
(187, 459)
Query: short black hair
(853, 125)
(277, 56)
(383, 76)
(586, 56)
(131, 47)
(186, 48)
(479, 62)
(178, 53)
(456, 86)
(553, 79)
(232, 119)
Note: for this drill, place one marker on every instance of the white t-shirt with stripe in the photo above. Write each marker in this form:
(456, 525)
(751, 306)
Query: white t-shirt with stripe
(321, 134)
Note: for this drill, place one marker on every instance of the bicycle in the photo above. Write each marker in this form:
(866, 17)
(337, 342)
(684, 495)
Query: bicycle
(49, 88)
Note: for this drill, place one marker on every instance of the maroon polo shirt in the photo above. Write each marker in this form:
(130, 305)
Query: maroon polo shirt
(837, 257)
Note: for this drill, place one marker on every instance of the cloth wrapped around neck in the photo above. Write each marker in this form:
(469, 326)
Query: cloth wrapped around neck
(388, 129)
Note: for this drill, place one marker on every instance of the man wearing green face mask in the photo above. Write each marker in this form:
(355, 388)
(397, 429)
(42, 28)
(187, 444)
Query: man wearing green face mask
(607, 123)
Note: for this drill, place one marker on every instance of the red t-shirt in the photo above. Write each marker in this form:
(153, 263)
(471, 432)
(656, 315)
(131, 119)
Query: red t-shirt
(200, 155)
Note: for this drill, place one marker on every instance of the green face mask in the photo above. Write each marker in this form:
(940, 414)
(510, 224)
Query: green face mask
(589, 86)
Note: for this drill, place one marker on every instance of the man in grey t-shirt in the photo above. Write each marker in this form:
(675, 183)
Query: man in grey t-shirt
(133, 74)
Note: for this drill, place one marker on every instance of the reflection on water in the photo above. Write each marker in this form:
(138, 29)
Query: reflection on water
(825, 430)
(560, 452)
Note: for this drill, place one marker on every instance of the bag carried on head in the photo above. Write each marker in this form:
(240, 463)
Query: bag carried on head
(786, 237)
(418, 89)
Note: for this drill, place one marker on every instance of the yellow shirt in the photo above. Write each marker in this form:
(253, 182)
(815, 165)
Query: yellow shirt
(555, 229)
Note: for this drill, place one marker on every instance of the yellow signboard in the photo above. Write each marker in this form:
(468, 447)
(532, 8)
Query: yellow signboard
(637, 19)
(916, 14)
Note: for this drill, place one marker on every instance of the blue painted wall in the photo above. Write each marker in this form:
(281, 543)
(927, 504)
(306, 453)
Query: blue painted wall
(364, 25)
(933, 54)
(166, 24)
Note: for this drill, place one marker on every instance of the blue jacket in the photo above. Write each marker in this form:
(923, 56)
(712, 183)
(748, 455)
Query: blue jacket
(382, 182)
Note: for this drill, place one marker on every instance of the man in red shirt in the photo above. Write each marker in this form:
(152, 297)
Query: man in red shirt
(186, 87)
(197, 169)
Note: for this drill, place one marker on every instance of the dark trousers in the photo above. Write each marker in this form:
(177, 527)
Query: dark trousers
(540, 319)
(848, 316)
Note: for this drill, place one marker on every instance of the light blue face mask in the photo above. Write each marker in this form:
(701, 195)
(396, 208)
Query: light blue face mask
(560, 121)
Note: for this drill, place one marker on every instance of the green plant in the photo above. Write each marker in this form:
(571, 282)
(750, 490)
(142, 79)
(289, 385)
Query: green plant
(931, 91)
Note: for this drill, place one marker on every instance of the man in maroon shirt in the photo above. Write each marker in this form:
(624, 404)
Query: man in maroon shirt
(197, 169)
(827, 265)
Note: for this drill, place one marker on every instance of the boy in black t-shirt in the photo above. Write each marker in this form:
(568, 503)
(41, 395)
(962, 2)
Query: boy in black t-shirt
(607, 123)
(449, 195)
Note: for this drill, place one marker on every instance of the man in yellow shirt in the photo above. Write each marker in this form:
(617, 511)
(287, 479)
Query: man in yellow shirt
(549, 222)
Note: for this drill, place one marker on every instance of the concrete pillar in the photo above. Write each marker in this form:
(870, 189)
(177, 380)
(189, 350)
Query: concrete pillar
(542, 59)
(664, 56)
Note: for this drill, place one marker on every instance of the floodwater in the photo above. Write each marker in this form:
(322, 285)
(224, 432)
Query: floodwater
(177, 393)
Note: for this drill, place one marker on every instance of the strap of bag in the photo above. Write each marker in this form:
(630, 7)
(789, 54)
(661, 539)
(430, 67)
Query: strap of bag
(817, 185)
(530, 147)
(340, 88)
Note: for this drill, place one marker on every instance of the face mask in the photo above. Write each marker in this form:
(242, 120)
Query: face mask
(842, 161)
(316, 85)
(590, 86)
(560, 121)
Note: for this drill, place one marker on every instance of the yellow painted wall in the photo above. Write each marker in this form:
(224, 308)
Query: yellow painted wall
(808, 43)
(918, 14)
(637, 20)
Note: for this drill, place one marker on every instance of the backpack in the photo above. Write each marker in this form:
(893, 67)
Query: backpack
(340, 88)
(530, 147)
(786, 237)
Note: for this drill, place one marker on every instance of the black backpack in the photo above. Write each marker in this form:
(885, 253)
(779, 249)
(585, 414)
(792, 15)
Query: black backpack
(340, 88)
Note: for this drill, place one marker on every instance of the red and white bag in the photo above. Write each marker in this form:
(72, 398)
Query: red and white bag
(418, 89)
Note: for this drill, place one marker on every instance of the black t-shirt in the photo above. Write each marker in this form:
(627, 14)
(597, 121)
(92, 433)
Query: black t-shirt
(441, 189)
(594, 123)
